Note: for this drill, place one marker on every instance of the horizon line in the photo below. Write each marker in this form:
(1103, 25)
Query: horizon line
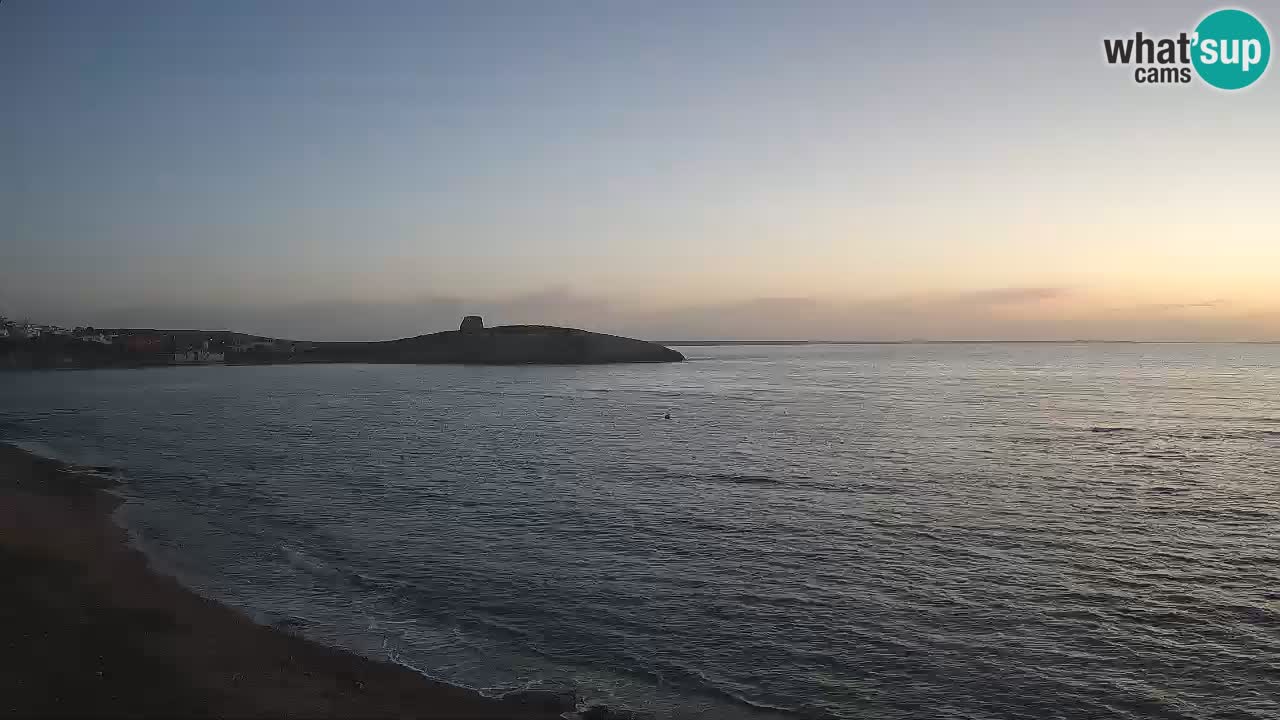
(711, 343)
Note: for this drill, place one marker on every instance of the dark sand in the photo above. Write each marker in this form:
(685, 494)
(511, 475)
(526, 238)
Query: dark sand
(88, 629)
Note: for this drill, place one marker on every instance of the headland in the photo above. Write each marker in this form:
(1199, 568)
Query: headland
(474, 343)
(36, 347)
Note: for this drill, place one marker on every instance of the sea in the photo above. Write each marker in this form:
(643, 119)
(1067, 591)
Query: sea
(965, 531)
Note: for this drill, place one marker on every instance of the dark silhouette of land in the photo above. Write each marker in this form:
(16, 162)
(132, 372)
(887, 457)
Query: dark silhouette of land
(471, 343)
(474, 343)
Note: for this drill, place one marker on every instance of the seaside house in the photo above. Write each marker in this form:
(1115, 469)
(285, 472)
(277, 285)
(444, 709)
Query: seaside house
(95, 337)
(197, 356)
(203, 355)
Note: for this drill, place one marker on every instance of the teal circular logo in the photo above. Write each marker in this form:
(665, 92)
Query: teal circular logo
(1232, 49)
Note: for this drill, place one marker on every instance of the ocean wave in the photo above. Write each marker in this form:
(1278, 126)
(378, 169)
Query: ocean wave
(729, 478)
(42, 450)
(741, 479)
(81, 461)
(691, 679)
(303, 561)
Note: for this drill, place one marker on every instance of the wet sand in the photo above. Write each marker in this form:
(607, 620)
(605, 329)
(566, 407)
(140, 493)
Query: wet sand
(89, 630)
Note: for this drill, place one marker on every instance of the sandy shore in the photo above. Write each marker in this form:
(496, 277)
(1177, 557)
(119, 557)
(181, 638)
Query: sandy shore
(88, 629)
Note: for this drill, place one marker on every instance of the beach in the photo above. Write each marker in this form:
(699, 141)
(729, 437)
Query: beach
(90, 630)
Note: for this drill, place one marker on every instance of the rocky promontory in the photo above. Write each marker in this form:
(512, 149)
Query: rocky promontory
(475, 343)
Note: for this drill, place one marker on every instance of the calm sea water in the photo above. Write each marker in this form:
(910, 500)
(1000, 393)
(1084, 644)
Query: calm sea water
(901, 531)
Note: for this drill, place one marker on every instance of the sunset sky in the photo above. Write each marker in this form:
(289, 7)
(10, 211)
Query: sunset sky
(341, 170)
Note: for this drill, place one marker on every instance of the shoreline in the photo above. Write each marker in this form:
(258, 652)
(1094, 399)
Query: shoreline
(93, 630)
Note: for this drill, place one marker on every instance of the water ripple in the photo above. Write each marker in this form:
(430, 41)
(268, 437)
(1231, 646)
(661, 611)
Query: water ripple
(961, 531)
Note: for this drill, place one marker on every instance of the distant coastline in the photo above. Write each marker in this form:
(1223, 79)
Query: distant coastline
(26, 346)
(783, 343)
(29, 347)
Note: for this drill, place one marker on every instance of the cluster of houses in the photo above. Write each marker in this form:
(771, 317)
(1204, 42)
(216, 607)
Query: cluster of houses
(203, 355)
(26, 330)
(176, 349)
(184, 348)
(94, 347)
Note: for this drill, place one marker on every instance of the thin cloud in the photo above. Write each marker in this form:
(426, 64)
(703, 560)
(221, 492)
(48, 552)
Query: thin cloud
(1012, 295)
(1170, 306)
(1184, 306)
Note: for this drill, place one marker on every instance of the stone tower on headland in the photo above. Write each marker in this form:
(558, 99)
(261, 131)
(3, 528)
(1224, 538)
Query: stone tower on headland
(473, 343)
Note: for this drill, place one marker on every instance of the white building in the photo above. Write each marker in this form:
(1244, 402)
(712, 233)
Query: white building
(194, 356)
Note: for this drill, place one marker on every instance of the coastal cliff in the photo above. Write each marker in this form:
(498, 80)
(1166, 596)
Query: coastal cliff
(474, 343)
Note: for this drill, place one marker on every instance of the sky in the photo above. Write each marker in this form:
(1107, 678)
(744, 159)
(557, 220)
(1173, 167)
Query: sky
(753, 170)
